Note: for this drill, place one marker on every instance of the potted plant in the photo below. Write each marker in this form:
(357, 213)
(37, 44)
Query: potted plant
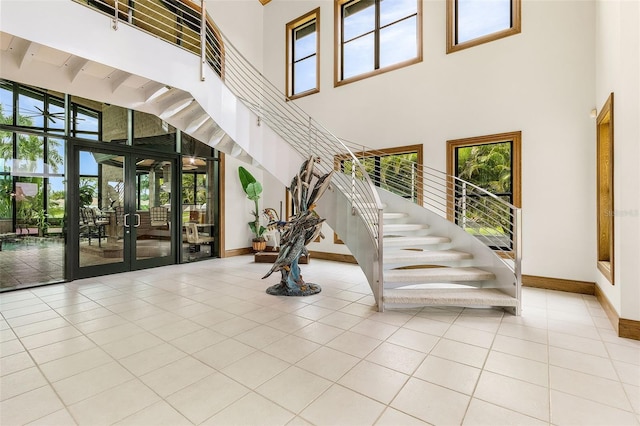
(253, 189)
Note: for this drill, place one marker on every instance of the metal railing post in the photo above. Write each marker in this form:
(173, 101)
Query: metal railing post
(517, 258)
(115, 15)
(203, 39)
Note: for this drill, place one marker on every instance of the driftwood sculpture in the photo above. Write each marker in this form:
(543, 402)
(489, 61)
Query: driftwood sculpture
(303, 227)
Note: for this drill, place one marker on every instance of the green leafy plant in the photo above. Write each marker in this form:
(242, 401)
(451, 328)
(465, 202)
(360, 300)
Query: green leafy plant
(253, 189)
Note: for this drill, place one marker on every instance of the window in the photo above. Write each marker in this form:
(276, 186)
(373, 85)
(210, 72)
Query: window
(606, 216)
(375, 36)
(303, 61)
(474, 22)
(492, 163)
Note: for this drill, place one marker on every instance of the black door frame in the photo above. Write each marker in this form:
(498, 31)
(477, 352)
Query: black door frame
(130, 263)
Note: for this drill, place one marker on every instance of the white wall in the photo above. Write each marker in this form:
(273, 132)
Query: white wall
(618, 71)
(540, 82)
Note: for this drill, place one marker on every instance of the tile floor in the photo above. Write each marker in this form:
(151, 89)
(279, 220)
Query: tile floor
(203, 343)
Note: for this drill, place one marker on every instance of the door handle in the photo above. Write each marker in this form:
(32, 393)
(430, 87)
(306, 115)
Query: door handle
(138, 220)
(126, 220)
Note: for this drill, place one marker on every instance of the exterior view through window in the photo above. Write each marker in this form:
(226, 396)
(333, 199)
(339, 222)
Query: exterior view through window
(473, 22)
(377, 36)
(302, 55)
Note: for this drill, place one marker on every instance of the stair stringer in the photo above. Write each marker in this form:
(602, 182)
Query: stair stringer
(336, 208)
(483, 257)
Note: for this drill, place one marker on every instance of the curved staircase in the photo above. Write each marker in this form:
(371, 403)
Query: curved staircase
(412, 254)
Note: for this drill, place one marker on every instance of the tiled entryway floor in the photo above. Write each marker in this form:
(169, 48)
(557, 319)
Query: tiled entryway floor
(203, 343)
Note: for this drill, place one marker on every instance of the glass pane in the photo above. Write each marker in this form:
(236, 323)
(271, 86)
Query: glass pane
(100, 230)
(304, 75)
(477, 18)
(30, 155)
(153, 218)
(56, 115)
(398, 42)
(398, 174)
(304, 41)
(31, 110)
(358, 18)
(55, 153)
(6, 203)
(394, 10)
(6, 103)
(358, 56)
(151, 132)
(86, 120)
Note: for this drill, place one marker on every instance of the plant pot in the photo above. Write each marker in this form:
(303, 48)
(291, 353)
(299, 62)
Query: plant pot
(259, 245)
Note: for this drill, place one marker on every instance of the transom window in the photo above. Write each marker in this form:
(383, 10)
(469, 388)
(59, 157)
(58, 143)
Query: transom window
(474, 22)
(375, 36)
(303, 46)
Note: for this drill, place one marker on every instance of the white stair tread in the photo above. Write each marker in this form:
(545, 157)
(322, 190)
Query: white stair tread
(450, 297)
(431, 275)
(410, 242)
(392, 216)
(403, 227)
(417, 256)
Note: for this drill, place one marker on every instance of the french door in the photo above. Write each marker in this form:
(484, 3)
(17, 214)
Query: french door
(122, 213)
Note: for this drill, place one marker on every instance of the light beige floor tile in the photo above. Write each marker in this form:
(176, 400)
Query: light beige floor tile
(415, 340)
(62, 368)
(585, 363)
(7, 334)
(523, 348)
(313, 312)
(31, 318)
(375, 329)
(513, 394)
(131, 345)
(158, 320)
(427, 325)
(294, 388)
(58, 418)
(628, 373)
(224, 353)
(11, 347)
(177, 329)
(298, 421)
(260, 336)
(340, 320)
(524, 332)
(486, 414)
(212, 317)
(289, 323)
(393, 417)
(291, 348)
(252, 409)
(633, 393)
(460, 352)
(24, 310)
(577, 343)
(159, 413)
(177, 375)
(29, 406)
(40, 326)
(90, 315)
(15, 362)
(91, 382)
(624, 353)
(469, 335)
(449, 374)
(234, 326)
(113, 334)
(396, 357)
(319, 333)
(358, 309)
(354, 344)
(328, 363)
(598, 389)
(431, 403)
(113, 405)
(49, 337)
(207, 397)
(366, 378)
(519, 368)
(487, 320)
(150, 359)
(61, 349)
(264, 315)
(255, 369)
(21, 382)
(198, 340)
(341, 406)
(572, 410)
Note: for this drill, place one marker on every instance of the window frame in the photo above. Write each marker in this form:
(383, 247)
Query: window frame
(291, 27)
(605, 191)
(339, 44)
(452, 28)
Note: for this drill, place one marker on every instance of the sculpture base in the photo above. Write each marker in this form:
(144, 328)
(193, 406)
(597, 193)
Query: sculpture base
(306, 289)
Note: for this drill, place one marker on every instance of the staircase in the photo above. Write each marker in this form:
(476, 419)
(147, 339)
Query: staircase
(186, 72)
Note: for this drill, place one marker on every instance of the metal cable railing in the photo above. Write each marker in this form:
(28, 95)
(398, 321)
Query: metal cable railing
(179, 22)
(494, 221)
